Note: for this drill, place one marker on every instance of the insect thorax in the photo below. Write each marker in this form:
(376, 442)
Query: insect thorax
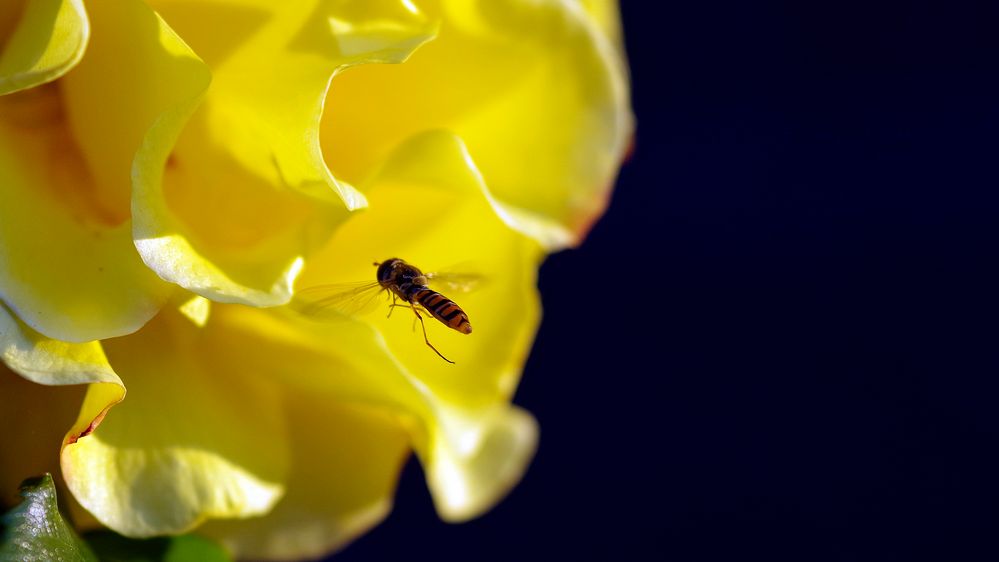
(401, 277)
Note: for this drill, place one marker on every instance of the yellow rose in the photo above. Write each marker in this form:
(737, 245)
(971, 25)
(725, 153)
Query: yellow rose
(173, 171)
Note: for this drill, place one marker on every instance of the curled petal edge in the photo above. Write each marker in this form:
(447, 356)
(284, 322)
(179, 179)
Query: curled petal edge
(56, 363)
(26, 62)
(164, 242)
(409, 158)
(472, 458)
(161, 239)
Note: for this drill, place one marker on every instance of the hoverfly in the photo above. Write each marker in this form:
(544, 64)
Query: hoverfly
(403, 282)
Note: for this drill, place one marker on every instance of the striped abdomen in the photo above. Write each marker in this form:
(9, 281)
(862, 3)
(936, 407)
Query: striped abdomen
(443, 309)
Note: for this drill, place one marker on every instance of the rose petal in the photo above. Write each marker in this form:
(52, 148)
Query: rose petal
(79, 278)
(473, 444)
(51, 362)
(430, 207)
(607, 15)
(535, 89)
(246, 194)
(483, 458)
(67, 272)
(189, 443)
(473, 451)
(346, 462)
(30, 413)
(48, 40)
(432, 175)
(58, 363)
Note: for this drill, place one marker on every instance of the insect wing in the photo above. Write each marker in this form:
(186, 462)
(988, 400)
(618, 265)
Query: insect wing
(337, 300)
(451, 282)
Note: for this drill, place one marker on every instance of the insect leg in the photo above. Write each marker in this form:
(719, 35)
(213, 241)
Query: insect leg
(426, 339)
(393, 305)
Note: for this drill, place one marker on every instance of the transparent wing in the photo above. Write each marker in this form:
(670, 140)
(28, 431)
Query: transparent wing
(455, 282)
(335, 300)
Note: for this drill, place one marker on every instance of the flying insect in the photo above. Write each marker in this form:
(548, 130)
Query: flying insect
(404, 282)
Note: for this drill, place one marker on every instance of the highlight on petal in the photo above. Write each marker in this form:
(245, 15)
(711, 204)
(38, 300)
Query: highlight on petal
(231, 196)
(48, 40)
(346, 461)
(607, 16)
(481, 461)
(536, 90)
(196, 309)
(51, 362)
(190, 443)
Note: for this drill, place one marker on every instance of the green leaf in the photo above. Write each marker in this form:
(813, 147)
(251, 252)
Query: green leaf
(112, 547)
(34, 531)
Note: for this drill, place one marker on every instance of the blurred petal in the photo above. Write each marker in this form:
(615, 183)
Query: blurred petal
(482, 458)
(607, 15)
(346, 463)
(47, 41)
(34, 418)
(535, 89)
(245, 195)
(189, 443)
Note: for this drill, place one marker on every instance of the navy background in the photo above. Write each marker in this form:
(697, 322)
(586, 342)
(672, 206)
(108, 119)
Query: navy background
(780, 342)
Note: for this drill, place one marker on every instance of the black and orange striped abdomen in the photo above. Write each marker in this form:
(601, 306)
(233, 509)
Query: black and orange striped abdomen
(443, 309)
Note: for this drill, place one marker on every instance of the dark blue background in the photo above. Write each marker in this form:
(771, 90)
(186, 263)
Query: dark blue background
(780, 342)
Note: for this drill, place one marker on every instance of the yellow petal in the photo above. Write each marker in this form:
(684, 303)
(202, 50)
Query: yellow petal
(67, 153)
(69, 271)
(49, 39)
(606, 14)
(484, 456)
(535, 89)
(473, 451)
(57, 363)
(245, 194)
(191, 442)
(430, 207)
(51, 362)
(196, 309)
(346, 462)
